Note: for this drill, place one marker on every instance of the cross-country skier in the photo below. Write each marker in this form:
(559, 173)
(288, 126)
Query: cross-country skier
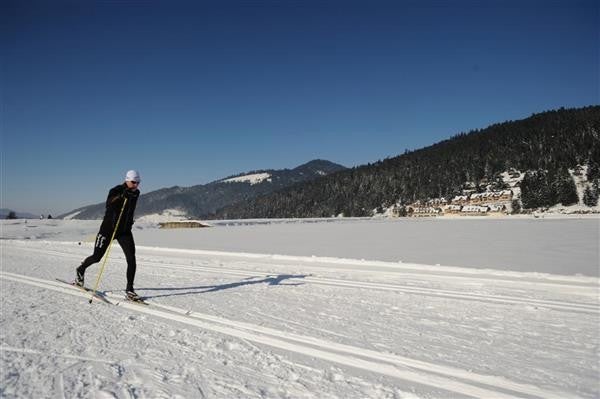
(114, 204)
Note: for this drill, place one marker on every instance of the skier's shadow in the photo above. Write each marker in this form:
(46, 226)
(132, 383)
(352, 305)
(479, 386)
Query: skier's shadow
(269, 280)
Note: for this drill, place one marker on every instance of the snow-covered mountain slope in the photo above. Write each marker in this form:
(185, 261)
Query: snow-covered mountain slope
(204, 199)
(238, 325)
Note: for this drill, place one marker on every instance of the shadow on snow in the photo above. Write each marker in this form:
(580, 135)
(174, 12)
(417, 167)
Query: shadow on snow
(269, 280)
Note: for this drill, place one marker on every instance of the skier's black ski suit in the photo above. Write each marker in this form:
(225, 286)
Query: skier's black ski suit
(114, 203)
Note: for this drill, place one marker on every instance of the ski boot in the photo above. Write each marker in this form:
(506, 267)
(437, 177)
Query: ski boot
(133, 296)
(79, 279)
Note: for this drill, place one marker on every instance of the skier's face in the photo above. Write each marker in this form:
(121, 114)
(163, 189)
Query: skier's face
(132, 185)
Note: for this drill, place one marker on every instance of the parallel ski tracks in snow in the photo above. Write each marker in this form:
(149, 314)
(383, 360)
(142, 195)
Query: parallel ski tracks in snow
(438, 376)
(579, 307)
(557, 305)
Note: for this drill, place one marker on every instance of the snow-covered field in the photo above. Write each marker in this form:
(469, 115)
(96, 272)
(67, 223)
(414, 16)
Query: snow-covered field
(314, 309)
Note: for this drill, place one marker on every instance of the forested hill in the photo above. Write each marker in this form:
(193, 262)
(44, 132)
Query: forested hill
(203, 199)
(544, 145)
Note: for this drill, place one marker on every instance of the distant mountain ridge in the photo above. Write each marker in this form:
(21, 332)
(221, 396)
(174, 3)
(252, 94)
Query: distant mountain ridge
(4, 212)
(202, 200)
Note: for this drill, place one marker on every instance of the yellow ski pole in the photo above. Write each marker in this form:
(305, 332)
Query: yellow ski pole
(108, 251)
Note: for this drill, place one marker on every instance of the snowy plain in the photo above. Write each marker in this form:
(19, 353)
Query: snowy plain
(334, 308)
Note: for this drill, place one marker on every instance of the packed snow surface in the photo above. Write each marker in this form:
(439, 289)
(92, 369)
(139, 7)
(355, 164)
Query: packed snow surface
(313, 309)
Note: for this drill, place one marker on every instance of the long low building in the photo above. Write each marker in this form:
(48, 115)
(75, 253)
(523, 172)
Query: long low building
(473, 204)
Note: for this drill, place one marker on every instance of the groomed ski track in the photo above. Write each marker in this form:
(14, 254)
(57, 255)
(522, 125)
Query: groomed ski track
(463, 382)
(566, 284)
(441, 377)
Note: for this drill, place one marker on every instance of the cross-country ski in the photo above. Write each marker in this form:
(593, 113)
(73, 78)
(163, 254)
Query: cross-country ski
(95, 294)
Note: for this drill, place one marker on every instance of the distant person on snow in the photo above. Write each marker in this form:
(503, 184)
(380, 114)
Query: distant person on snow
(114, 203)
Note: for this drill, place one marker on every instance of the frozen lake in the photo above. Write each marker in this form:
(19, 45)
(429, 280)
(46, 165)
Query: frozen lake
(558, 246)
(566, 246)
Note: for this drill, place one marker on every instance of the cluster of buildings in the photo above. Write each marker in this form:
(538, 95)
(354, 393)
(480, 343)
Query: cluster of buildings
(476, 204)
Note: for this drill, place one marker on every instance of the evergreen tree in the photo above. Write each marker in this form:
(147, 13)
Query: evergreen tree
(11, 215)
(590, 196)
(516, 206)
(536, 190)
(593, 171)
(529, 190)
(566, 191)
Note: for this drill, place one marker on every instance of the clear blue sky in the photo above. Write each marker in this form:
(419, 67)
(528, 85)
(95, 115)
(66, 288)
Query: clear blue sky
(190, 92)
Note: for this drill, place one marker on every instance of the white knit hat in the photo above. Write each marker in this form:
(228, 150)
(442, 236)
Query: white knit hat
(133, 175)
